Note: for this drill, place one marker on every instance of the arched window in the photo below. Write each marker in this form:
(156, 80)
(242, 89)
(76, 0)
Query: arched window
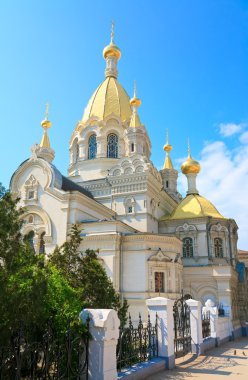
(29, 238)
(31, 219)
(92, 147)
(42, 243)
(112, 149)
(77, 153)
(187, 247)
(218, 247)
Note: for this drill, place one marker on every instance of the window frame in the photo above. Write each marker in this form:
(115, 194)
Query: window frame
(188, 251)
(112, 145)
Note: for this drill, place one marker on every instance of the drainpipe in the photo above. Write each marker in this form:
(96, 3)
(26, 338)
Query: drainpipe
(120, 266)
(208, 227)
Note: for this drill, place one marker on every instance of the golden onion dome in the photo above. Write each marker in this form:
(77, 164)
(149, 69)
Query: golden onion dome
(112, 51)
(135, 102)
(190, 166)
(110, 97)
(167, 147)
(46, 124)
(194, 206)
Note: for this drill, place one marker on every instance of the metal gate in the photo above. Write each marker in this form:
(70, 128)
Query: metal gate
(182, 339)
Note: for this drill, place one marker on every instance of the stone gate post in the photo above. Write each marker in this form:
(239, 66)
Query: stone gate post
(164, 309)
(196, 326)
(104, 330)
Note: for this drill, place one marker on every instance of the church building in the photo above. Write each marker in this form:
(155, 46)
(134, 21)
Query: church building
(150, 241)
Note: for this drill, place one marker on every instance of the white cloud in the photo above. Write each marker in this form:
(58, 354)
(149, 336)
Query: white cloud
(229, 129)
(224, 181)
(244, 138)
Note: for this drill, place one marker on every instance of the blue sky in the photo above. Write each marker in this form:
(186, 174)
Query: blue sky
(189, 58)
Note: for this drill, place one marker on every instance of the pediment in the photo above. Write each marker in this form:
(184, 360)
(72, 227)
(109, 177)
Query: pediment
(160, 256)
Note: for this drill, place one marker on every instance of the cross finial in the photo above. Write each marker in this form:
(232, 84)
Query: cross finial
(189, 154)
(167, 136)
(135, 90)
(112, 31)
(47, 109)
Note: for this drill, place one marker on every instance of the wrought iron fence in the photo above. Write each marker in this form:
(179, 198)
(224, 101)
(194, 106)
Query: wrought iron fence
(137, 344)
(206, 329)
(182, 332)
(49, 358)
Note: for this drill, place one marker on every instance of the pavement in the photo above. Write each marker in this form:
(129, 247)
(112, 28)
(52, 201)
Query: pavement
(230, 361)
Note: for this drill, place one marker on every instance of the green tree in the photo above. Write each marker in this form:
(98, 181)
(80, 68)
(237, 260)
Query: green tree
(85, 273)
(31, 289)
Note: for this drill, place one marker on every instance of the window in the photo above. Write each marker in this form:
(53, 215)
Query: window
(31, 194)
(31, 219)
(218, 247)
(132, 147)
(112, 146)
(130, 209)
(92, 147)
(77, 153)
(167, 184)
(188, 247)
(42, 243)
(29, 238)
(159, 282)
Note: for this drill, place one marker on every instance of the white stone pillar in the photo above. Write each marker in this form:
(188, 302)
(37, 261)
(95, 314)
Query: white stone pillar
(191, 177)
(163, 307)
(104, 329)
(196, 326)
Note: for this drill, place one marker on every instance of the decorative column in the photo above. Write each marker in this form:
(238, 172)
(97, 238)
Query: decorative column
(104, 330)
(196, 326)
(163, 308)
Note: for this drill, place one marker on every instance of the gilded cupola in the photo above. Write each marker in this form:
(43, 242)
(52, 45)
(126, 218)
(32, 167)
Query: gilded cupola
(135, 102)
(109, 97)
(190, 166)
(44, 149)
(167, 149)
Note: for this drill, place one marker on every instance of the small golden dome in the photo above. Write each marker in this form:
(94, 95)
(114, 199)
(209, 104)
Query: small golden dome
(167, 147)
(135, 102)
(46, 124)
(112, 51)
(190, 166)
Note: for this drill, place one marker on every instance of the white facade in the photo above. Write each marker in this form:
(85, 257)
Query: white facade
(124, 206)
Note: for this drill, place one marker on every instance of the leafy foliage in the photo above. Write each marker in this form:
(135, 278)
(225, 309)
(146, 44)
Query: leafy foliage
(85, 273)
(33, 288)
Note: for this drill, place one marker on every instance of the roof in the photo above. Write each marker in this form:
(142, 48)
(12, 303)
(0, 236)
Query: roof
(110, 97)
(68, 185)
(194, 206)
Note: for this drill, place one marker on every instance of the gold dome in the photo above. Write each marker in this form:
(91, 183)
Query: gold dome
(194, 206)
(190, 166)
(110, 97)
(46, 124)
(167, 147)
(112, 51)
(135, 102)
